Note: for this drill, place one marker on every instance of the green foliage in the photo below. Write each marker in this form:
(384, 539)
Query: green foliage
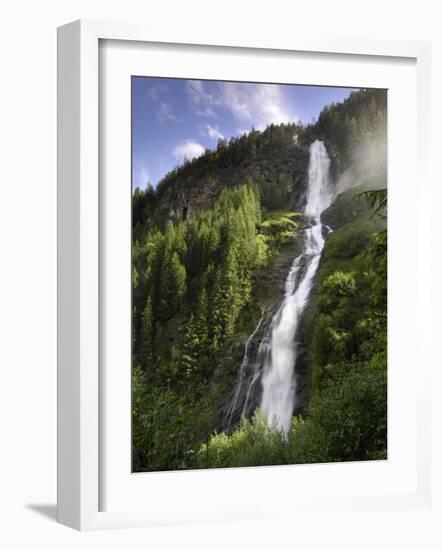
(166, 426)
(193, 280)
(194, 353)
(348, 241)
(347, 420)
(376, 200)
(147, 335)
(347, 320)
(336, 288)
(356, 129)
(140, 436)
(278, 228)
(275, 192)
(253, 443)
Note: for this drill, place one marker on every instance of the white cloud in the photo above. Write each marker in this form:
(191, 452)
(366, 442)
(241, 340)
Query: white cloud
(188, 150)
(165, 112)
(213, 132)
(255, 105)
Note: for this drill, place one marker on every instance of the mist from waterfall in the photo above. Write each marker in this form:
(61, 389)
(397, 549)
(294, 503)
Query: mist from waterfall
(279, 374)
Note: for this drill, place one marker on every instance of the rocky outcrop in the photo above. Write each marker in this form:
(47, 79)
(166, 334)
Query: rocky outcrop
(197, 185)
(346, 208)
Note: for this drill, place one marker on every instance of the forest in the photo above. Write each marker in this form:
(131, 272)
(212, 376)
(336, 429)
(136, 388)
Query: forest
(212, 245)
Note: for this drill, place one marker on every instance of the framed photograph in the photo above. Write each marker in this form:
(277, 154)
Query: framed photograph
(238, 316)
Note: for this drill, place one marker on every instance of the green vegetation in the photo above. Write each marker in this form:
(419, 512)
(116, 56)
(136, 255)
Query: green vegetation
(347, 421)
(253, 443)
(355, 131)
(278, 228)
(211, 247)
(192, 296)
(347, 328)
(272, 159)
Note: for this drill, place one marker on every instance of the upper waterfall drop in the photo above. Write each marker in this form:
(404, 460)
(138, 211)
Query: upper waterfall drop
(279, 373)
(319, 192)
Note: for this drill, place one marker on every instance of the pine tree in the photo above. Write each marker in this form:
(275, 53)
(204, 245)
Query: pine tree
(225, 301)
(194, 350)
(147, 334)
(201, 319)
(191, 344)
(173, 285)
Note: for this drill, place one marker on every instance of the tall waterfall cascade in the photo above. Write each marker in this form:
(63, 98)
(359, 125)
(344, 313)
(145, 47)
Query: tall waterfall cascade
(269, 373)
(279, 373)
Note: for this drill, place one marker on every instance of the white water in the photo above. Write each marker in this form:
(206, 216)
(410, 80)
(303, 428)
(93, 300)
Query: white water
(278, 380)
(242, 372)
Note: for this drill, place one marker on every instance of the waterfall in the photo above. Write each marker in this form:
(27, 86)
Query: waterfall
(273, 363)
(242, 376)
(278, 379)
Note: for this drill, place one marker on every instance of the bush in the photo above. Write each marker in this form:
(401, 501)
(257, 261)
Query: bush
(347, 242)
(253, 443)
(347, 420)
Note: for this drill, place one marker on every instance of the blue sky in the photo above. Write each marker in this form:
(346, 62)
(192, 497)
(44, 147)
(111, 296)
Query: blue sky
(174, 119)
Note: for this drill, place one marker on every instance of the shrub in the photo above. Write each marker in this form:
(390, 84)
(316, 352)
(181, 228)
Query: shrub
(253, 443)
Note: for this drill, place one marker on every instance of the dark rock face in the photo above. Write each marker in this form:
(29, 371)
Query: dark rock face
(189, 191)
(194, 197)
(346, 208)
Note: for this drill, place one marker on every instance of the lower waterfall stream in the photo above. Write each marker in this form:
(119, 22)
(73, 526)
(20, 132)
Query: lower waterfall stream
(275, 364)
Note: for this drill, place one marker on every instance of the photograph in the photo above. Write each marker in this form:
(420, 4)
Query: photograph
(259, 274)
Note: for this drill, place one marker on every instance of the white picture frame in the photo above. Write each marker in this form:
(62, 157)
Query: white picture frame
(79, 408)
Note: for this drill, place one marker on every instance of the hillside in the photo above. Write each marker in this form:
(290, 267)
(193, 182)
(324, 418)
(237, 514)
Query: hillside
(276, 160)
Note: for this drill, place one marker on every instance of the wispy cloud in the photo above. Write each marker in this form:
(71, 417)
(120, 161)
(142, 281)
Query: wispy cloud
(255, 105)
(188, 149)
(142, 176)
(203, 102)
(157, 91)
(213, 132)
(165, 112)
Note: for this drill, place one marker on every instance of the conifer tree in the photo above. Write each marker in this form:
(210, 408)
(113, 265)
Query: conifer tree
(147, 334)
(191, 344)
(194, 349)
(173, 285)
